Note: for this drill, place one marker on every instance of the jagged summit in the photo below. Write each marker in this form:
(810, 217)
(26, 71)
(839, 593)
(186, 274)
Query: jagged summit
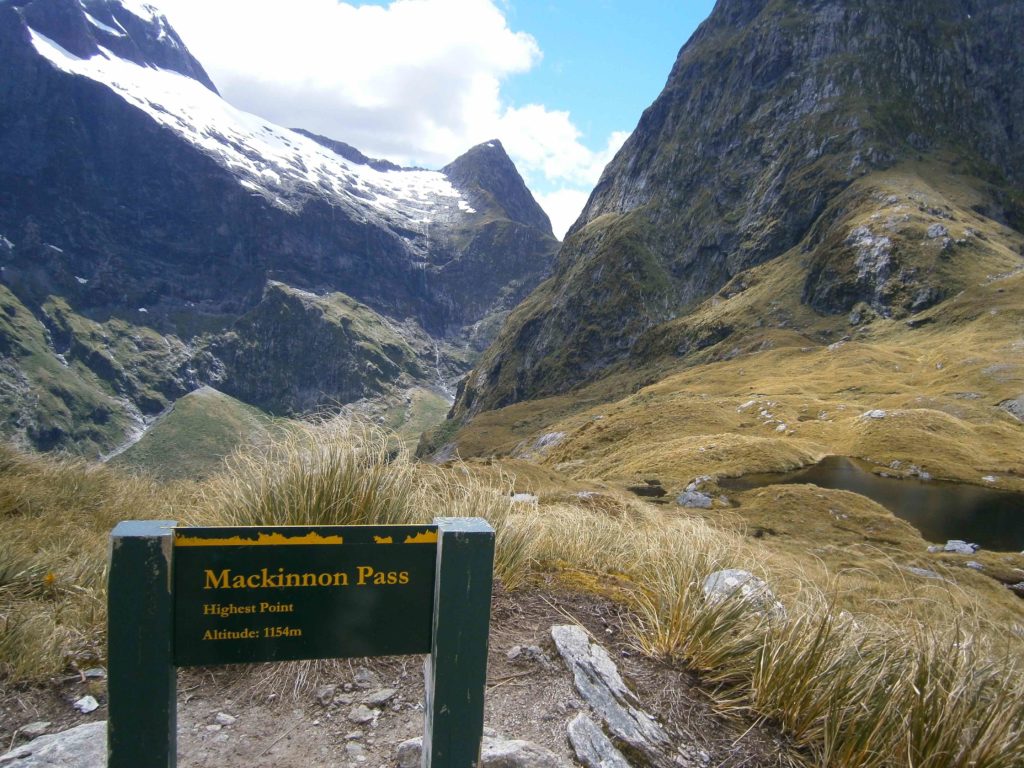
(490, 179)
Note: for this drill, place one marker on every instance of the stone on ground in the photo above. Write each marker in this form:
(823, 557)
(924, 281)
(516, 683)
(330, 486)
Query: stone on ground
(84, 746)
(598, 681)
(592, 747)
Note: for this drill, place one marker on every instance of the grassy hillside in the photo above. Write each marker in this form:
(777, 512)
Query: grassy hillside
(49, 399)
(191, 440)
(863, 667)
(756, 379)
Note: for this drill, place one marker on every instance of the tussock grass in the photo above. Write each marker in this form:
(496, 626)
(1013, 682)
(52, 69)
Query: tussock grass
(339, 472)
(327, 475)
(890, 687)
(56, 516)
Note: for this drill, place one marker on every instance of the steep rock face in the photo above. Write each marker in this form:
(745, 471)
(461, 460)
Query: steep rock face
(132, 31)
(274, 355)
(771, 110)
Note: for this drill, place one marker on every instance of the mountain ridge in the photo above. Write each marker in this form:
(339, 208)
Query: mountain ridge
(737, 160)
(130, 190)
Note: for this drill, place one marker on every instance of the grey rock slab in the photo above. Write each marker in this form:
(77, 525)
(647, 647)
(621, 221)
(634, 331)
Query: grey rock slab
(495, 752)
(1014, 407)
(380, 697)
(735, 583)
(694, 500)
(361, 714)
(517, 753)
(960, 547)
(592, 747)
(84, 746)
(598, 681)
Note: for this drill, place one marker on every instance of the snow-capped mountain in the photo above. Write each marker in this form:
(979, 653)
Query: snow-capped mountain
(284, 166)
(131, 190)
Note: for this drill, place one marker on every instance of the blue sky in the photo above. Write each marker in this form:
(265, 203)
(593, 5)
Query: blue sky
(604, 60)
(560, 82)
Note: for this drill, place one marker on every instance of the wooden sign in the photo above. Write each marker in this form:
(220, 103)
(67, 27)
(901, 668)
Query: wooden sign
(198, 596)
(277, 594)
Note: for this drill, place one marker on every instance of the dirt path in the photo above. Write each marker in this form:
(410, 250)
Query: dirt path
(297, 716)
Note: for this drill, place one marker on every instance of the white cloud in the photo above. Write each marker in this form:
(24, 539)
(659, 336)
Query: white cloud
(418, 81)
(548, 146)
(563, 207)
(546, 141)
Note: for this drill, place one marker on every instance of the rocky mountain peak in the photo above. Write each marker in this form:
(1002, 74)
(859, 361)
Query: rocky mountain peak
(490, 180)
(128, 29)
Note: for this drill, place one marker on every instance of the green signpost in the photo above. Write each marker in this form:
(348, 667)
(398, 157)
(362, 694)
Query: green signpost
(200, 596)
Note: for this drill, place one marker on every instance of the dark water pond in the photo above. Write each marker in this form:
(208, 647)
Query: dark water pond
(939, 510)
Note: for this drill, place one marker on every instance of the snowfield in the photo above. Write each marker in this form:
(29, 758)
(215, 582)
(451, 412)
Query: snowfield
(285, 167)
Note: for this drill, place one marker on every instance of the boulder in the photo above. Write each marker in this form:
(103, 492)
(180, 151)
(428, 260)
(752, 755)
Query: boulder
(734, 583)
(960, 547)
(694, 500)
(84, 746)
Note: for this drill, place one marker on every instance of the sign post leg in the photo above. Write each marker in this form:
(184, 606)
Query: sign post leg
(142, 684)
(456, 670)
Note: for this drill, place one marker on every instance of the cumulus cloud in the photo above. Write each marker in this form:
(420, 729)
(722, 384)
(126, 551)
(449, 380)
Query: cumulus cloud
(563, 207)
(415, 81)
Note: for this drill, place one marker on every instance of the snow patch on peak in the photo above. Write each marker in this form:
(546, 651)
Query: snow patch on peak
(283, 166)
(106, 28)
(144, 11)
